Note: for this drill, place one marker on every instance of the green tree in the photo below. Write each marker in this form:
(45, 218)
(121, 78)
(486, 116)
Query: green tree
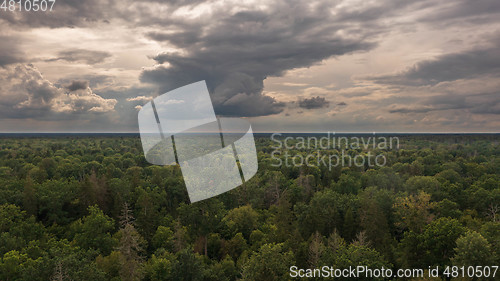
(94, 231)
(110, 265)
(146, 213)
(321, 214)
(159, 267)
(374, 221)
(11, 265)
(29, 197)
(188, 266)
(272, 262)
(202, 218)
(472, 250)
(439, 240)
(350, 224)
(447, 208)
(17, 229)
(243, 219)
(422, 183)
(284, 218)
(163, 238)
(347, 184)
(235, 246)
(491, 231)
(224, 270)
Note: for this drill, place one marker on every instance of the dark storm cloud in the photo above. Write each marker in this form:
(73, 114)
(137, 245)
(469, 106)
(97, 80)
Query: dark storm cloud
(235, 53)
(450, 67)
(77, 85)
(76, 13)
(180, 39)
(81, 55)
(10, 51)
(84, 13)
(314, 103)
(67, 13)
(238, 51)
(249, 105)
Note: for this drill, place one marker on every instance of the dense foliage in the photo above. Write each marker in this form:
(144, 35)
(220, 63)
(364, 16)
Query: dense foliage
(91, 208)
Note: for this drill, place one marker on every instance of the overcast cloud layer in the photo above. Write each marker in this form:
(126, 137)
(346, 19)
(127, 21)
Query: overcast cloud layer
(347, 66)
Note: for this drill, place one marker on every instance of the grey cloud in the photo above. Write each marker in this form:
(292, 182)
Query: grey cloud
(25, 93)
(314, 103)
(462, 12)
(411, 110)
(449, 67)
(77, 85)
(478, 103)
(341, 103)
(487, 109)
(68, 13)
(10, 51)
(250, 105)
(235, 53)
(80, 55)
(180, 39)
(84, 13)
(355, 91)
(457, 83)
(124, 117)
(95, 81)
(71, 13)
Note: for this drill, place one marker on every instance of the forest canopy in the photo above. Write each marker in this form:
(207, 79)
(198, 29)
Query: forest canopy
(89, 207)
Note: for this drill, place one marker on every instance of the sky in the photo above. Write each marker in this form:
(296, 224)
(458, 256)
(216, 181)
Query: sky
(286, 66)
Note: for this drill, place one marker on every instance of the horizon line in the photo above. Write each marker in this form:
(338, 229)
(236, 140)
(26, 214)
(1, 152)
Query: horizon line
(268, 132)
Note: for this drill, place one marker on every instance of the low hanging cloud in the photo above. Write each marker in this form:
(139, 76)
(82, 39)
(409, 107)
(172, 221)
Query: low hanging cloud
(314, 103)
(477, 103)
(449, 67)
(467, 82)
(25, 93)
(81, 56)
